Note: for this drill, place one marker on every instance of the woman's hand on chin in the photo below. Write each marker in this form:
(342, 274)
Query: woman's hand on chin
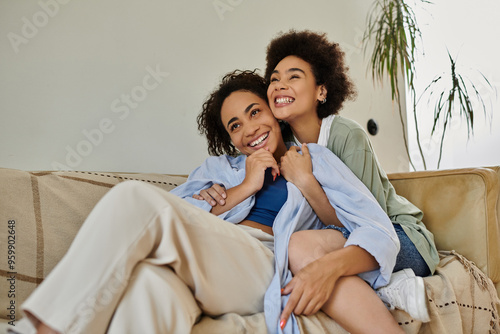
(256, 165)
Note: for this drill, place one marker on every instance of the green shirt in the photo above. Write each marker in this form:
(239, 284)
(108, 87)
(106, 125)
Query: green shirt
(351, 144)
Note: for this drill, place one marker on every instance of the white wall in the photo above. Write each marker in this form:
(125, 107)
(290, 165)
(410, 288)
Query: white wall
(117, 85)
(470, 31)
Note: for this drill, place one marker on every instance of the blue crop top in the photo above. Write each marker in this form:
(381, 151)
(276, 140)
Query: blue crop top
(269, 200)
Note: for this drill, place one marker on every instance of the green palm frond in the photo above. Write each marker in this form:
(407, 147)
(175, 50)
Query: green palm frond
(457, 96)
(392, 29)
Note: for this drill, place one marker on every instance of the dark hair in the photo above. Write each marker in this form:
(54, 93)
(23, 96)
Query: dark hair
(209, 120)
(326, 60)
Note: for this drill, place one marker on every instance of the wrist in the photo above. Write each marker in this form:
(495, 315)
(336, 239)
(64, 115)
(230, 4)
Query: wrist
(306, 182)
(336, 264)
(247, 189)
(351, 260)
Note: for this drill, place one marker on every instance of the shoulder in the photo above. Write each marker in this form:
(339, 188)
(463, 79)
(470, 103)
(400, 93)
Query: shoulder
(347, 134)
(317, 150)
(346, 126)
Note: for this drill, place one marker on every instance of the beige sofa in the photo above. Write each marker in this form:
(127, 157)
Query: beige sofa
(40, 213)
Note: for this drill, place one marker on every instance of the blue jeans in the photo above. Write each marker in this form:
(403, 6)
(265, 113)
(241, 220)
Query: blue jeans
(408, 256)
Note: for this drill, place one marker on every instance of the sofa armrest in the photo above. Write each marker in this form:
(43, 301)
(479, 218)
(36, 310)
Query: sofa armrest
(461, 209)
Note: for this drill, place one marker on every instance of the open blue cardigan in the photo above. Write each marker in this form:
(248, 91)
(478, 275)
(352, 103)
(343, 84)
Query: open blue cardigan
(354, 204)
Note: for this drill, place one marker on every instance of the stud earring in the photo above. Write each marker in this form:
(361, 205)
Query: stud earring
(323, 101)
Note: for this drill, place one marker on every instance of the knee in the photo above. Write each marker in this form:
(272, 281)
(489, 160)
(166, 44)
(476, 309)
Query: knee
(295, 244)
(136, 199)
(135, 193)
(123, 190)
(298, 252)
(129, 186)
(309, 245)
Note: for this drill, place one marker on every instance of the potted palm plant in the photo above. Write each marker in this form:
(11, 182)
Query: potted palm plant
(392, 36)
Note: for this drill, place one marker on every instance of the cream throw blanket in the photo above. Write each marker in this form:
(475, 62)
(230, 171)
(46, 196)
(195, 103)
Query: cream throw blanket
(461, 299)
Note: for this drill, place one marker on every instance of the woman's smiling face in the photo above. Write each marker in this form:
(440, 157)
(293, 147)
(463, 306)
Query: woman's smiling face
(250, 123)
(293, 92)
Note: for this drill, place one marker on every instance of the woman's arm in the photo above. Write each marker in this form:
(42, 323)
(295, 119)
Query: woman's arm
(235, 196)
(297, 168)
(351, 144)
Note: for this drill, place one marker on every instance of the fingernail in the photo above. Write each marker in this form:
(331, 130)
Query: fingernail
(282, 290)
(274, 177)
(282, 323)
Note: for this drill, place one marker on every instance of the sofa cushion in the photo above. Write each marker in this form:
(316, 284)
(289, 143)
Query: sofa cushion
(460, 209)
(40, 214)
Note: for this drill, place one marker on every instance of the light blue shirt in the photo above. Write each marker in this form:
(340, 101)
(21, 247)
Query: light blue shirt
(356, 208)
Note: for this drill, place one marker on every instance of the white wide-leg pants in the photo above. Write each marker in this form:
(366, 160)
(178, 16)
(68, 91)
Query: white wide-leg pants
(146, 261)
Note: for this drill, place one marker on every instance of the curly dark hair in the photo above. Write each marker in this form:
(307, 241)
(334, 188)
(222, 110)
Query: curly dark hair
(326, 60)
(209, 120)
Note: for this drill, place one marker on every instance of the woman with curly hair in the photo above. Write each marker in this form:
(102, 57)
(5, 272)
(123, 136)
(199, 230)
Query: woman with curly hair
(308, 84)
(149, 261)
